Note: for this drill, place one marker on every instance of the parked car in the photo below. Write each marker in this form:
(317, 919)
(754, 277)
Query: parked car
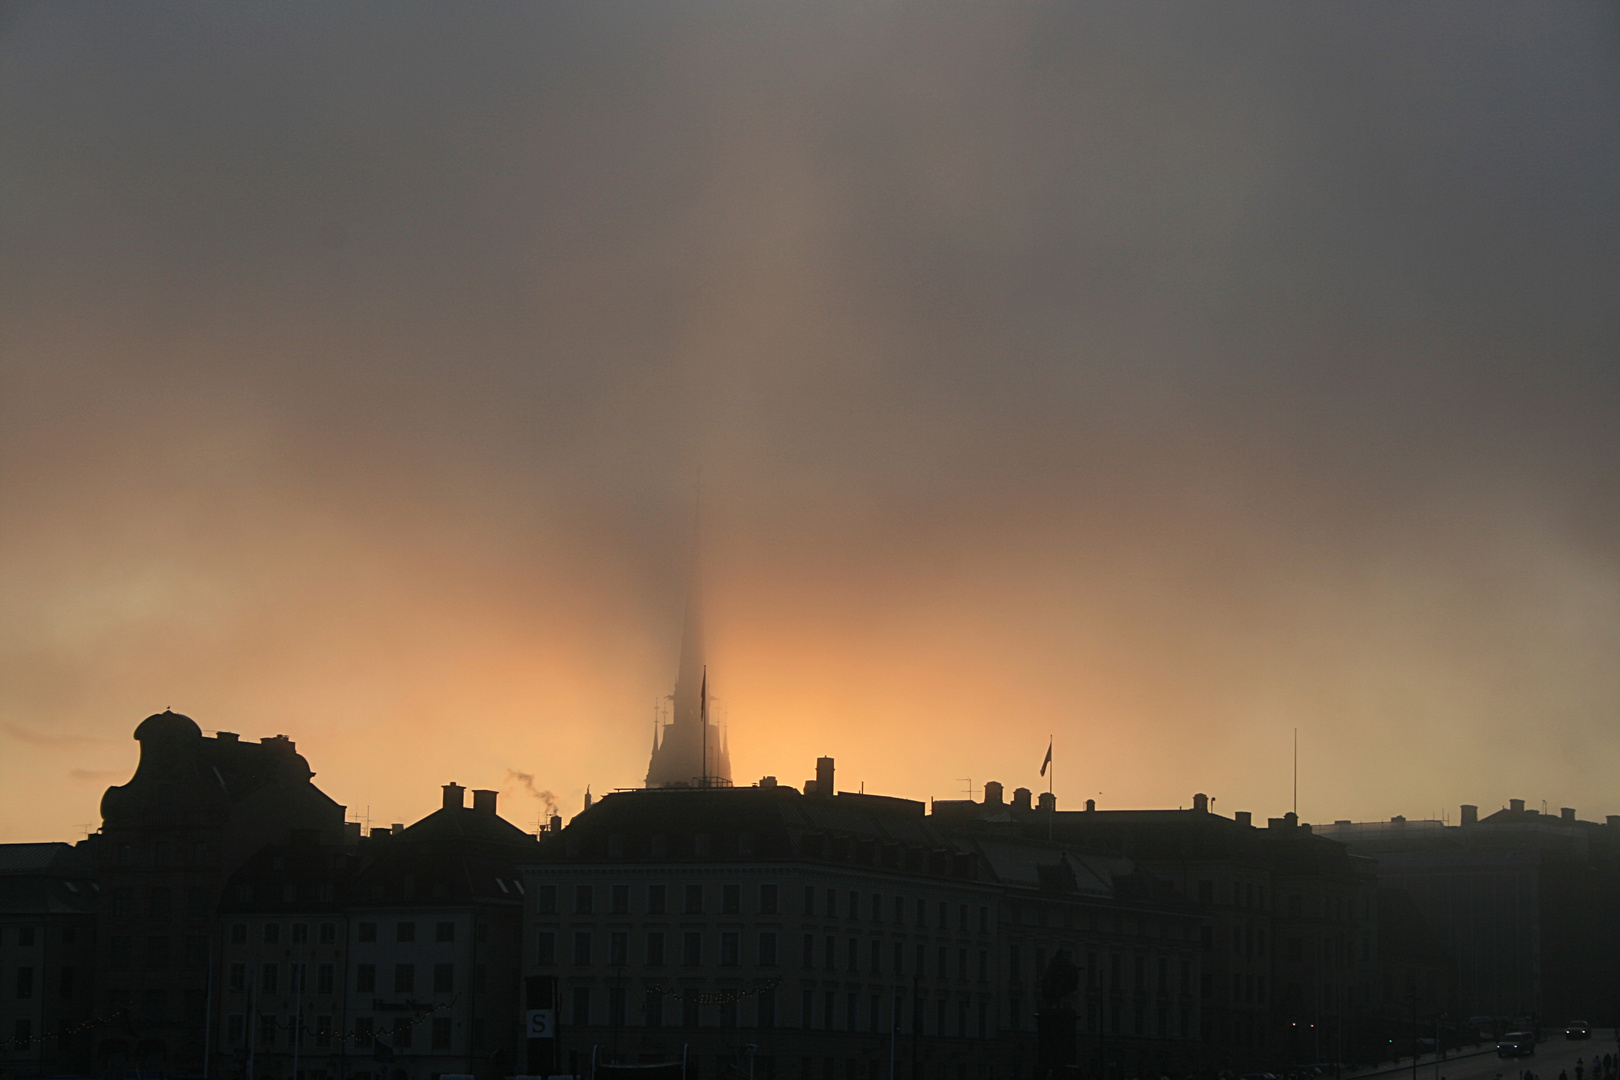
(1516, 1044)
(1577, 1029)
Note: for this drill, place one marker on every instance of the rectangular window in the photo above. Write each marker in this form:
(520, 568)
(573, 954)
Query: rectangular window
(829, 1009)
(25, 982)
(545, 899)
(877, 908)
(365, 978)
(922, 962)
(620, 900)
(584, 899)
(655, 948)
(582, 1006)
(362, 1031)
(616, 1006)
(767, 948)
(692, 949)
(272, 933)
(853, 956)
(239, 933)
(300, 933)
(444, 931)
(922, 914)
(729, 948)
(852, 1003)
(405, 931)
(765, 1008)
(267, 978)
(402, 1035)
(767, 899)
(157, 953)
(807, 1009)
(832, 903)
(328, 934)
(984, 965)
(694, 899)
(808, 958)
(404, 978)
(267, 1030)
(545, 947)
(829, 959)
(854, 904)
(444, 978)
(366, 932)
(236, 978)
(64, 983)
(730, 899)
(236, 1029)
(899, 958)
(689, 1008)
(441, 1033)
(582, 948)
(618, 948)
(324, 979)
(657, 899)
(653, 1008)
(809, 899)
(899, 911)
(295, 978)
(323, 1031)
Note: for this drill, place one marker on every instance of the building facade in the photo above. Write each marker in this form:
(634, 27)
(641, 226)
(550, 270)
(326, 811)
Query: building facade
(48, 904)
(822, 936)
(195, 810)
(394, 958)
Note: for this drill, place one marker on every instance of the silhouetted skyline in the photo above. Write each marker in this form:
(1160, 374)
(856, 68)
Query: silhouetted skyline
(1158, 379)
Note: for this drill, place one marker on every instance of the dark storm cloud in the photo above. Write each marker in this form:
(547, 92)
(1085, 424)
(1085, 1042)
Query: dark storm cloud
(1245, 360)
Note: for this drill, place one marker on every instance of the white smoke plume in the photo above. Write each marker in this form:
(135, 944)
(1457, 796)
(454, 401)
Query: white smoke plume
(546, 798)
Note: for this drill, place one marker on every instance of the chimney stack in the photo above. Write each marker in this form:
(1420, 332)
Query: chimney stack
(1567, 813)
(992, 793)
(767, 781)
(556, 823)
(1020, 798)
(1470, 814)
(1091, 806)
(397, 827)
(1516, 805)
(1243, 817)
(824, 777)
(454, 794)
(1048, 801)
(484, 802)
(1201, 803)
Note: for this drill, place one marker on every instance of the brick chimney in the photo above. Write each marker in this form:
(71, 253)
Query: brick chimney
(1201, 803)
(1470, 814)
(1567, 813)
(1516, 805)
(484, 802)
(1021, 798)
(992, 793)
(824, 777)
(454, 796)
(1244, 818)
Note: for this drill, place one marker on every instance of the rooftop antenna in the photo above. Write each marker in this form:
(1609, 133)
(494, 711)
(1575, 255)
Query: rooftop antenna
(968, 780)
(703, 716)
(1296, 772)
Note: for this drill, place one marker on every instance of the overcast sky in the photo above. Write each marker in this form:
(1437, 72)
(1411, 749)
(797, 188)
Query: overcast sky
(1161, 378)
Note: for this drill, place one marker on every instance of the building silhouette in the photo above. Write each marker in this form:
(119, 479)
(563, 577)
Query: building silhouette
(195, 810)
(396, 955)
(48, 903)
(690, 750)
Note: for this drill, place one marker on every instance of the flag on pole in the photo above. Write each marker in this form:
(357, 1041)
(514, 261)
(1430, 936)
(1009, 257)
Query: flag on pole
(1048, 760)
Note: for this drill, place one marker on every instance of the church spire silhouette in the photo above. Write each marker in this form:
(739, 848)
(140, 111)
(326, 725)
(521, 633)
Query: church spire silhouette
(678, 757)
